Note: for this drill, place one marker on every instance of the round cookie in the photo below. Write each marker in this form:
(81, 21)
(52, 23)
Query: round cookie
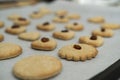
(61, 12)
(61, 19)
(1, 37)
(45, 10)
(15, 29)
(74, 16)
(46, 26)
(103, 32)
(14, 16)
(37, 67)
(74, 26)
(36, 15)
(9, 50)
(22, 21)
(1, 24)
(77, 52)
(64, 34)
(44, 44)
(93, 40)
(111, 26)
(97, 19)
(29, 36)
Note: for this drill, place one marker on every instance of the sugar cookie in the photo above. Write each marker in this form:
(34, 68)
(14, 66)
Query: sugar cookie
(14, 16)
(64, 34)
(74, 26)
(61, 12)
(61, 19)
(36, 15)
(74, 16)
(45, 10)
(9, 50)
(44, 44)
(1, 24)
(77, 52)
(93, 40)
(46, 26)
(103, 32)
(30, 36)
(22, 21)
(97, 19)
(15, 29)
(111, 25)
(37, 67)
(1, 37)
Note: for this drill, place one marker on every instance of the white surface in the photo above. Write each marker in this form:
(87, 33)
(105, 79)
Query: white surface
(108, 53)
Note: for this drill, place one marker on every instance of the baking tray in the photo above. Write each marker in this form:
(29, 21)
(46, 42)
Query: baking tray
(108, 54)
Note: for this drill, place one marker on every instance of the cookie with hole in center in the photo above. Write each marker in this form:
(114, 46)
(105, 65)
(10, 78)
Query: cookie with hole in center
(93, 40)
(44, 44)
(29, 36)
(37, 67)
(9, 50)
(97, 19)
(77, 52)
(64, 34)
(103, 32)
(46, 26)
(15, 29)
(74, 26)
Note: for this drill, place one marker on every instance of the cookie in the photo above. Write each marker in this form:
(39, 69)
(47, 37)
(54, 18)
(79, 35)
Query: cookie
(15, 29)
(1, 24)
(44, 44)
(64, 34)
(1, 37)
(9, 50)
(74, 16)
(36, 15)
(61, 12)
(61, 19)
(111, 25)
(97, 19)
(74, 26)
(22, 21)
(14, 16)
(103, 32)
(77, 52)
(29, 36)
(93, 40)
(46, 26)
(37, 67)
(45, 10)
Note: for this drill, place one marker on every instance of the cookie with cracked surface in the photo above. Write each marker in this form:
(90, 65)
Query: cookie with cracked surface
(77, 52)
(37, 67)
(93, 40)
(9, 50)
(44, 44)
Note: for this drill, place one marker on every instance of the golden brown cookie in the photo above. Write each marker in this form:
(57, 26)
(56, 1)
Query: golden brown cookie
(29, 36)
(22, 21)
(61, 12)
(15, 29)
(74, 16)
(74, 26)
(77, 52)
(37, 67)
(36, 15)
(61, 19)
(97, 19)
(9, 50)
(111, 26)
(46, 26)
(103, 32)
(45, 11)
(44, 44)
(93, 40)
(1, 37)
(14, 16)
(64, 34)
(1, 24)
